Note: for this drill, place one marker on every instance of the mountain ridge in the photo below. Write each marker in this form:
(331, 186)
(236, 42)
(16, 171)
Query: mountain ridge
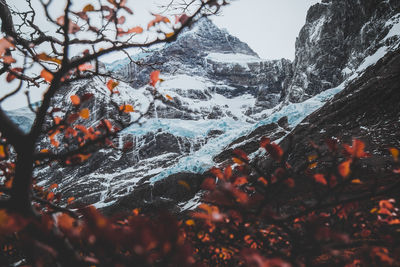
(220, 98)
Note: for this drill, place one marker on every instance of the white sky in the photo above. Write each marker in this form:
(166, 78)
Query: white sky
(269, 27)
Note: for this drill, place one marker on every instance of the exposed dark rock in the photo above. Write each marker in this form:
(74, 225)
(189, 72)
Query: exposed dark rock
(337, 37)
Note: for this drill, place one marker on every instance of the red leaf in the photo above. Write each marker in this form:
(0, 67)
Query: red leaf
(127, 146)
(154, 77)
(264, 142)
(86, 97)
(320, 178)
(241, 154)
(275, 151)
(241, 181)
(344, 168)
(208, 184)
(10, 76)
(228, 172)
(85, 67)
(73, 117)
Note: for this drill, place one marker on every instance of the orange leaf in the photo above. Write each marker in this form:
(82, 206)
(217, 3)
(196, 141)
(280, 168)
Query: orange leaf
(168, 35)
(262, 180)
(47, 76)
(154, 77)
(237, 161)
(75, 100)
(50, 196)
(126, 108)
(70, 200)
(137, 30)
(241, 154)
(240, 181)
(4, 45)
(45, 57)
(11, 76)
(8, 59)
(111, 84)
(157, 19)
(53, 186)
(169, 97)
(395, 153)
(320, 178)
(84, 113)
(57, 120)
(344, 168)
(2, 152)
(88, 8)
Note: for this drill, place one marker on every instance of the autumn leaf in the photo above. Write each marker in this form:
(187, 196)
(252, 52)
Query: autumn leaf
(86, 97)
(228, 172)
(4, 45)
(88, 8)
(344, 168)
(208, 184)
(8, 60)
(70, 200)
(320, 178)
(264, 142)
(111, 84)
(85, 67)
(53, 186)
(168, 35)
(237, 161)
(73, 117)
(45, 57)
(50, 196)
(169, 97)
(395, 153)
(154, 77)
(126, 108)
(76, 101)
(189, 222)
(356, 181)
(275, 151)
(127, 146)
(84, 113)
(11, 76)
(241, 154)
(47, 76)
(182, 18)
(2, 151)
(356, 150)
(156, 20)
(136, 30)
(240, 181)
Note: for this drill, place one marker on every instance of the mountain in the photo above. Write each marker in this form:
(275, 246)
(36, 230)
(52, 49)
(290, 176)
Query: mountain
(337, 39)
(223, 97)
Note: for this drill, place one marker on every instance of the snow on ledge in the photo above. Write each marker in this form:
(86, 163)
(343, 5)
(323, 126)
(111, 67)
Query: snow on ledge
(233, 58)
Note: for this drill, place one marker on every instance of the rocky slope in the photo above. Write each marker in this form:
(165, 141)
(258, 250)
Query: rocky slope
(336, 39)
(224, 97)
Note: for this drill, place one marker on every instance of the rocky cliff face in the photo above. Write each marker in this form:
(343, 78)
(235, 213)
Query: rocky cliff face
(223, 97)
(336, 39)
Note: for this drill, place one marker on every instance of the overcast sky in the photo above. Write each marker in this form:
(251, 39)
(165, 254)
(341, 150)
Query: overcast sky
(270, 27)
